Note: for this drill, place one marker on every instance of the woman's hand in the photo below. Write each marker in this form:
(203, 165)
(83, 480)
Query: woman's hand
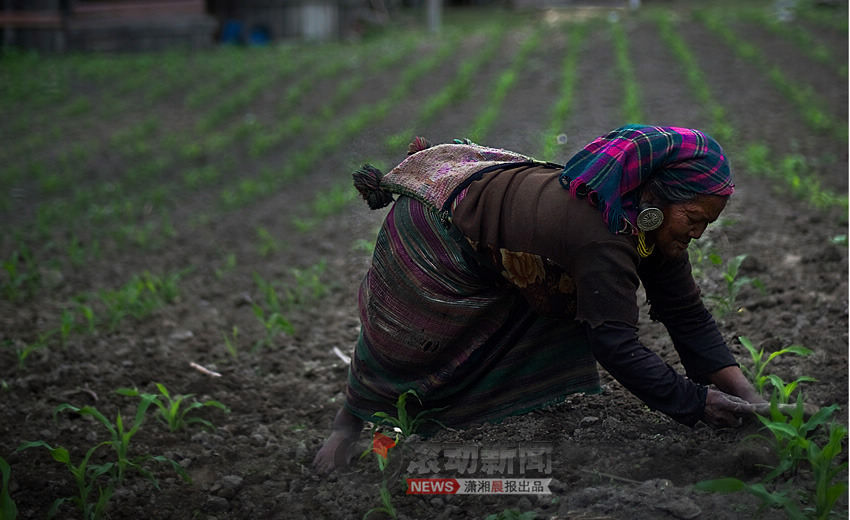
(724, 410)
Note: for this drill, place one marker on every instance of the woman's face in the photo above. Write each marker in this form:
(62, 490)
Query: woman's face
(684, 221)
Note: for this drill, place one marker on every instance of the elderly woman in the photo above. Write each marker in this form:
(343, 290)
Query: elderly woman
(498, 282)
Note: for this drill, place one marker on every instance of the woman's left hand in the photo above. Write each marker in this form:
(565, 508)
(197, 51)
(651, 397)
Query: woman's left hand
(725, 410)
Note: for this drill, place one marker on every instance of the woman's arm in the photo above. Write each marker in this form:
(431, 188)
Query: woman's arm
(732, 381)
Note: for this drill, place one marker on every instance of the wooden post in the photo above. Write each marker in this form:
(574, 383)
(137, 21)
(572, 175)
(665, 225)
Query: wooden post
(435, 8)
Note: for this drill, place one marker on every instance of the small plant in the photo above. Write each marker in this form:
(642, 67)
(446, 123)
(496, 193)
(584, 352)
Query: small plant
(22, 275)
(274, 324)
(24, 351)
(381, 444)
(783, 390)
(231, 342)
(308, 285)
(169, 407)
(120, 438)
(8, 509)
(512, 514)
(793, 446)
(229, 265)
(404, 426)
(140, 296)
(268, 243)
(85, 477)
(726, 303)
(756, 374)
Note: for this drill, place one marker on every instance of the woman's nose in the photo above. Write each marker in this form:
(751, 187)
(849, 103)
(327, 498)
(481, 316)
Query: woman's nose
(697, 231)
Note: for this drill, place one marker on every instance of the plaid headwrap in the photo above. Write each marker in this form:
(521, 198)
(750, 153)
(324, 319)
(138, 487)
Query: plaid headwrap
(610, 170)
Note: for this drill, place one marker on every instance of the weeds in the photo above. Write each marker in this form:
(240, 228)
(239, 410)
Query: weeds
(170, 407)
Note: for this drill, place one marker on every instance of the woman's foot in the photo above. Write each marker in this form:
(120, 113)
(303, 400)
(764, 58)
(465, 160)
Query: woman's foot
(339, 446)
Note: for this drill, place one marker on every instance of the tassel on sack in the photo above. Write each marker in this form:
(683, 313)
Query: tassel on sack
(417, 145)
(367, 180)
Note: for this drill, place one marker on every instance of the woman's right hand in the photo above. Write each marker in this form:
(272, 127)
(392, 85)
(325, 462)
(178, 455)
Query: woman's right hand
(724, 410)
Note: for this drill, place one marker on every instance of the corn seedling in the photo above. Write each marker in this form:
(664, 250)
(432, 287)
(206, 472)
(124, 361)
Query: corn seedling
(120, 437)
(700, 254)
(268, 244)
(231, 342)
(229, 265)
(86, 479)
(756, 374)
(24, 350)
(791, 434)
(170, 407)
(274, 324)
(8, 509)
(626, 74)
(726, 302)
(783, 390)
(793, 446)
(139, 297)
(404, 426)
(569, 79)
(22, 275)
(308, 285)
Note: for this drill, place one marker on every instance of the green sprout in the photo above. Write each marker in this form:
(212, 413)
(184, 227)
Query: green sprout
(783, 390)
(8, 509)
(232, 344)
(28, 348)
(756, 373)
(170, 407)
(86, 478)
(404, 426)
(725, 303)
(268, 243)
(120, 438)
(793, 445)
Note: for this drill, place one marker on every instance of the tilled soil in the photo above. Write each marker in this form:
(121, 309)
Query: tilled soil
(611, 457)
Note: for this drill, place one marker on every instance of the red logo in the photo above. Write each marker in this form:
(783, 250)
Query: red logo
(432, 486)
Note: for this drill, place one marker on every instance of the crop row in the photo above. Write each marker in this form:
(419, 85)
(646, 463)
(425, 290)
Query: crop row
(789, 169)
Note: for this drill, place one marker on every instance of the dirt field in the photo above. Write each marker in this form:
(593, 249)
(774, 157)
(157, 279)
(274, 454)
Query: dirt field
(611, 457)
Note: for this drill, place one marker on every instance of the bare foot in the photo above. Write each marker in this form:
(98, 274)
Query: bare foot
(339, 446)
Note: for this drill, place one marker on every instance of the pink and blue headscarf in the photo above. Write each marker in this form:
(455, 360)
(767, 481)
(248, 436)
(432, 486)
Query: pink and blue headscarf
(610, 171)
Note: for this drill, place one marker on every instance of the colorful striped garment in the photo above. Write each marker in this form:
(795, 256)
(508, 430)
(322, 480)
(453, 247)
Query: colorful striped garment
(610, 170)
(434, 321)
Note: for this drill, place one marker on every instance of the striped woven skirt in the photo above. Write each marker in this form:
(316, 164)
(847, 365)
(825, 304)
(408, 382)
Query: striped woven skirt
(435, 320)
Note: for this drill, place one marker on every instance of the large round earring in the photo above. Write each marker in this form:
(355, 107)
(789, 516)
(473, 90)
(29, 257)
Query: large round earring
(650, 218)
